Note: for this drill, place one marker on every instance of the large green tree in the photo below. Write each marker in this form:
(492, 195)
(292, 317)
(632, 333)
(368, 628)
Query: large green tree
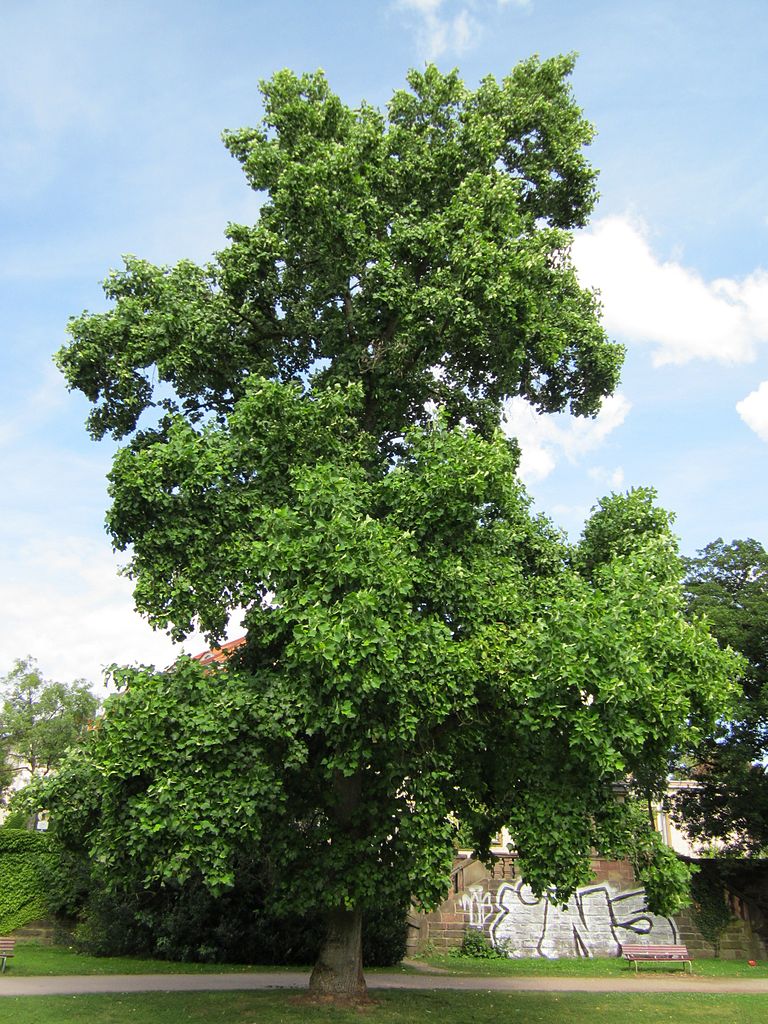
(40, 719)
(311, 434)
(728, 585)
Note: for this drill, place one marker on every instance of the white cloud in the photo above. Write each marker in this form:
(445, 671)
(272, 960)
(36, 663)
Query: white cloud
(667, 305)
(424, 7)
(570, 518)
(440, 31)
(63, 602)
(61, 598)
(447, 27)
(452, 27)
(613, 478)
(463, 31)
(754, 411)
(544, 438)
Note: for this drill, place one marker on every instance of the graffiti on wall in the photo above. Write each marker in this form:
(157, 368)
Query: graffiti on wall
(478, 905)
(597, 920)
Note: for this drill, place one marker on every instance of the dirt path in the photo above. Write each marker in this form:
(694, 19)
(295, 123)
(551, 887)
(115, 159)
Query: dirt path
(85, 984)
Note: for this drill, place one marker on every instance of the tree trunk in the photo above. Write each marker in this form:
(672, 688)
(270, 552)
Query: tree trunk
(339, 967)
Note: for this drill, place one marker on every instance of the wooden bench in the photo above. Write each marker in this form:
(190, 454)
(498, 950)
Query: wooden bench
(637, 954)
(6, 951)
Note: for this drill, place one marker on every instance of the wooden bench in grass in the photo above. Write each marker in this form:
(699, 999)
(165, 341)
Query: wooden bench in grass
(6, 951)
(638, 954)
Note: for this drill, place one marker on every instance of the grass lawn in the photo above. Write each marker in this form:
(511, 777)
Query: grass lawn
(390, 1008)
(33, 959)
(604, 967)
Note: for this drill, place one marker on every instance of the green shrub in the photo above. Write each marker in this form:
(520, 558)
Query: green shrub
(385, 931)
(24, 858)
(477, 946)
(188, 923)
(15, 820)
(710, 911)
(21, 840)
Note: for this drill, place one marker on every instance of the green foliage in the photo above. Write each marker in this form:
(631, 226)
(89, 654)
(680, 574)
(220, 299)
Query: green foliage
(311, 433)
(665, 877)
(477, 946)
(190, 923)
(14, 841)
(710, 911)
(354, 670)
(23, 860)
(434, 235)
(727, 585)
(15, 820)
(385, 932)
(398, 1007)
(39, 719)
(621, 525)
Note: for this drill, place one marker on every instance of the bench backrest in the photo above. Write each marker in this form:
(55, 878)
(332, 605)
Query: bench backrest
(643, 950)
(6, 946)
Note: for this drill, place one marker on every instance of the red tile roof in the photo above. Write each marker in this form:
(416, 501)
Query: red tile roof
(219, 655)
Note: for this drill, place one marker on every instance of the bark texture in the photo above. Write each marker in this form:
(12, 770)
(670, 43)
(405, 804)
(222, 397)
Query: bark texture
(339, 967)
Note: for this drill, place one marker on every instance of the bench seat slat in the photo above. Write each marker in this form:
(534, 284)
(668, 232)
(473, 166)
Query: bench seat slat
(6, 950)
(639, 953)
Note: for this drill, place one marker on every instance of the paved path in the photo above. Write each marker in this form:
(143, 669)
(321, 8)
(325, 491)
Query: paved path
(90, 983)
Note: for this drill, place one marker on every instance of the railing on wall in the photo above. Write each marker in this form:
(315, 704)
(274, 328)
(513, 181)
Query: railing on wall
(502, 865)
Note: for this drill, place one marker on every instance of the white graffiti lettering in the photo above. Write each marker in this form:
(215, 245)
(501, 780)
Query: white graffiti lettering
(595, 922)
(478, 904)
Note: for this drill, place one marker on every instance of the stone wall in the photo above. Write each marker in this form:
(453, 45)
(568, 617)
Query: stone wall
(738, 942)
(43, 932)
(598, 919)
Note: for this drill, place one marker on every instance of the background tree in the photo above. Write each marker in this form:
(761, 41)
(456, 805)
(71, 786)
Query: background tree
(420, 648)
(728, 584)
(40, 719)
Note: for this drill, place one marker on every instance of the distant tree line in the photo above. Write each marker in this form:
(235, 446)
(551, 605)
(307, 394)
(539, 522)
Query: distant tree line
(39, 721)
(728, 585)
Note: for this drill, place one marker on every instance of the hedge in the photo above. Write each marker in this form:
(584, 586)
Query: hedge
(188, 923)
(24, 857)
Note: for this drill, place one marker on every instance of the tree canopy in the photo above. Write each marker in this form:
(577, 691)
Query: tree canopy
(40, 719)
(422, 252)
(311, 428)
(728, 585)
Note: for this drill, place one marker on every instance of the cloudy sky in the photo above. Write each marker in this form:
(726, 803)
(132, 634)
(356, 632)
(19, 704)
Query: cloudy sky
(110, 116)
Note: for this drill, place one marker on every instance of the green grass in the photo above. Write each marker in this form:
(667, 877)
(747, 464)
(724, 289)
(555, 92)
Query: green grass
(606, 967)
(389, 1008)
(32, 959)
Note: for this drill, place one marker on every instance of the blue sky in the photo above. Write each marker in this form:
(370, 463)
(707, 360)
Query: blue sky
(110, 117)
